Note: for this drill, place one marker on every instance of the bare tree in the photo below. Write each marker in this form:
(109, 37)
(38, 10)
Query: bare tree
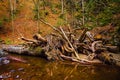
(83, 9)
(12, 8)
(37, 7)
(12, 16)
(62, 3)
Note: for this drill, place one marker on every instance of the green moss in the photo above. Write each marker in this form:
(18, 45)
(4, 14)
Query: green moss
(38, 50)
(8, 41)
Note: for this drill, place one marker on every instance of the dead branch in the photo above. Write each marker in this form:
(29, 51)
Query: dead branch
(54, 28)
(63, 43)
(39, 38)
(82, 37)
(67, 48)
(113, 49)
(93, 46)
(29, 40)
(81, 61)
(90, 36)
(76, 54)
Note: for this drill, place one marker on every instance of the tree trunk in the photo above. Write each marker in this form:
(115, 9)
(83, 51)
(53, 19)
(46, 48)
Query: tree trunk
(12, 16)
(62, 3)
(83, 9)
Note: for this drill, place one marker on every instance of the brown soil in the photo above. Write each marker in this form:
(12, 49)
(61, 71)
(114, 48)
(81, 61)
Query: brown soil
(24, 23)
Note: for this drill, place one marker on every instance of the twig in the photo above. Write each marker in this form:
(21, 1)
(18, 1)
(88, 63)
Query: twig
(49, 25)
(29, 40)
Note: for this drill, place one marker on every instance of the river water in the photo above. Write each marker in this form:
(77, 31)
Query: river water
(40, 69)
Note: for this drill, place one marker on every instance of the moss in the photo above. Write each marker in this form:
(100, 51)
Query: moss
(36, 50)
(8, 41)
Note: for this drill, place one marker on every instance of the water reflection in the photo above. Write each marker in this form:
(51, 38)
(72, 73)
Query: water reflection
(40, 69)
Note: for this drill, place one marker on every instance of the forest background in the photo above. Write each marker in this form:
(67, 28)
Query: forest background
(26, 17)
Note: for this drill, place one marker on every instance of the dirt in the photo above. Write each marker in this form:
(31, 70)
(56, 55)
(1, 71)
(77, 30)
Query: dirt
(24, 23)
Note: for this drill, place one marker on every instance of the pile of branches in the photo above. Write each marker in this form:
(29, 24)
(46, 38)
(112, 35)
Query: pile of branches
(68, 44)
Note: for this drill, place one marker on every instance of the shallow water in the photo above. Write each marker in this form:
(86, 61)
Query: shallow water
(40, 69)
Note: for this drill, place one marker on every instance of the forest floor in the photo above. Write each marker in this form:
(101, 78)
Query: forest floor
(25, 25)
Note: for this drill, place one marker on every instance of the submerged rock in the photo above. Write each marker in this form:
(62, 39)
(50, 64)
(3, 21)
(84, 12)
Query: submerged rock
(17, 76)
(2, 53)
(5, 76)
(20, 69)
(4, 60)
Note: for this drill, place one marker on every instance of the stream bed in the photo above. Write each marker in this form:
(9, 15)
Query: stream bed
(39, 69)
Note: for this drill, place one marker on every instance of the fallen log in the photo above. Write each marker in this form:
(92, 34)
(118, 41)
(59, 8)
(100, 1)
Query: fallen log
(23, 50)
(65, 44)
(107, 58)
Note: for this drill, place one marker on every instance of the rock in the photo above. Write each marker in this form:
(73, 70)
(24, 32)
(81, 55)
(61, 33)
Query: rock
(4, 60)
(2, 53)
(5, 76)
(11, 71)
(17, 76)
(20, 69)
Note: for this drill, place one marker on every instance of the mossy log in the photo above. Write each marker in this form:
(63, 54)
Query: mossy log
(66, 44)
(36, 51)
(107, 58)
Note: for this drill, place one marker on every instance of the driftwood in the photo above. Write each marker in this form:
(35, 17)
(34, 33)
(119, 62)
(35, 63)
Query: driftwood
(66, 44)
(29, 40)
(76, 54)
(39, 38)
(82, 37)
(113, 49)
(81, 61)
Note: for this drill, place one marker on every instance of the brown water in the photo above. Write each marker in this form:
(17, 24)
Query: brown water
(40, 69)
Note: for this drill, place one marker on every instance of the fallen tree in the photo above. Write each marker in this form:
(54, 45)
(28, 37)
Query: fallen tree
(67, 44)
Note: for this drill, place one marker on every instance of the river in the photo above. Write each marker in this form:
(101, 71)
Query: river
(39, 69)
